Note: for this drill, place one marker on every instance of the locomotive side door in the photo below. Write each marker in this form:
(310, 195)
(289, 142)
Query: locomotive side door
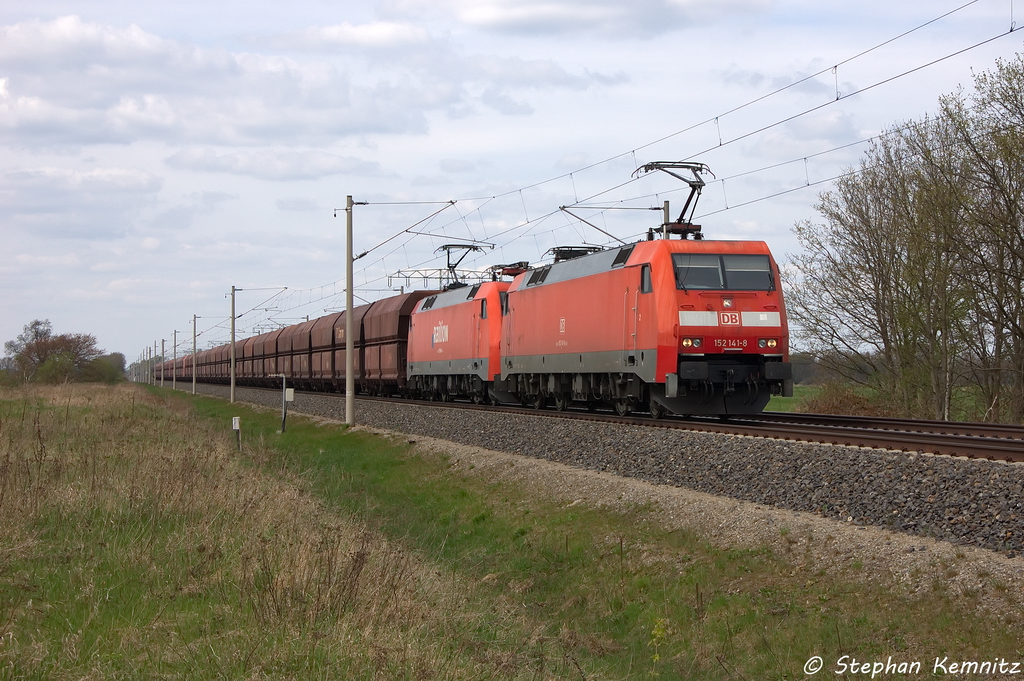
(639, 319)
(640, 278)
(628, 357)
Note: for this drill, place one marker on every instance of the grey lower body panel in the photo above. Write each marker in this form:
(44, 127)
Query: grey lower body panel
(451, 367)
(641, 363)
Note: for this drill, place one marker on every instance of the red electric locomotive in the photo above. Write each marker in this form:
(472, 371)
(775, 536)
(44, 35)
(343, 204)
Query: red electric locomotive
(686, 326)
(454, 341)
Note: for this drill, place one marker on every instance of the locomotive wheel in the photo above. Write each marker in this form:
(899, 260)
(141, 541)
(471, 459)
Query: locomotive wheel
(657, 410)
(623, 407)
(561, 402)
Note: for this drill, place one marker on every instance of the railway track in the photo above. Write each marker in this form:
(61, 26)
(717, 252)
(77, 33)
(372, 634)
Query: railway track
(972, 440)
(997, 442)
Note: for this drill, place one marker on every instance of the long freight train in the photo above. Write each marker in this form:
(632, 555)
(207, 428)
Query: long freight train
(659, 326)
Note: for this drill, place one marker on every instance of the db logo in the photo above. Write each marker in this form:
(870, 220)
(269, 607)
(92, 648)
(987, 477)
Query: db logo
(729, 318)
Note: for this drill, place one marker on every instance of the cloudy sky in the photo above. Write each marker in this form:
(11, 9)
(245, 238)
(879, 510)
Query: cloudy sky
(156, 154)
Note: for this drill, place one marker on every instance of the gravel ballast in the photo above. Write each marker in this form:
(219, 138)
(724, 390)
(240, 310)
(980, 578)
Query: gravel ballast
(964, 501)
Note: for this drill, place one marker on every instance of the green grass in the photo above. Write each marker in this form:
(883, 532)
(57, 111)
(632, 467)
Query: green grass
(801, 393)
(612, 591)
(135, 542)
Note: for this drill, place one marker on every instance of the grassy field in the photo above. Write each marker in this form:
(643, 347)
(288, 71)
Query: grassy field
(801, 393)
(136, 541)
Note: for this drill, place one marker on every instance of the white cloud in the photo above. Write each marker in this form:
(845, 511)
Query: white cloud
(77, 82)
(98, 203)
(298, 204)
(183, 213)
(527, 73)
(272, 165)
(612, 18)
(456, 165)
(66, 260)
(376, 35)
(502, 103)
(130, 285)
(72, 82)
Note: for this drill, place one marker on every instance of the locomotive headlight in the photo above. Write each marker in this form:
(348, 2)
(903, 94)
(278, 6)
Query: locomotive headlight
(772, 342)
(696, 342)
(687, 342)
(762, 343)
(767, 343)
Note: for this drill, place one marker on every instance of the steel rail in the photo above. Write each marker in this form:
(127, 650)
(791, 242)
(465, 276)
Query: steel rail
(927, 436)
(970, 440)
(992, 430)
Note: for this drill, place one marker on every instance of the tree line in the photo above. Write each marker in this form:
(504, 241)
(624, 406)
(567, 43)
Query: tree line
(912, 283)
(38, 355)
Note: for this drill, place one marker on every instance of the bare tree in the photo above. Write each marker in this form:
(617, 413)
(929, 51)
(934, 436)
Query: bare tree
(914, 282)
(37, 352)
(870, 297)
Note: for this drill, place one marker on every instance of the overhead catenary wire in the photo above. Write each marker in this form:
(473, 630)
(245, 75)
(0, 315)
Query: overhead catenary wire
(745, 105)
(804, 158)
(761, 129)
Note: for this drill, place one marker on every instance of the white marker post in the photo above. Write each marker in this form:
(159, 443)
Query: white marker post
(236, 425)
(289, 396)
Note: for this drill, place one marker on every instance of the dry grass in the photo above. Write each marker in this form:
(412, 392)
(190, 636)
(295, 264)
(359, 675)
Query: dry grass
(133, 541)
(841, 398)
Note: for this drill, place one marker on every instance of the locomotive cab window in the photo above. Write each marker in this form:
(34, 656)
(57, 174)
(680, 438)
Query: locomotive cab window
(749, 272)
(483, 308)
(723, 272)
(645, 279)
(698, 271)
